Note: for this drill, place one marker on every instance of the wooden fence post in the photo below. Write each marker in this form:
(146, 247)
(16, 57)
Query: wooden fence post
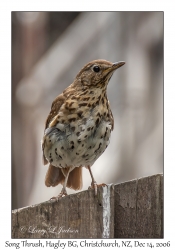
(132, 209)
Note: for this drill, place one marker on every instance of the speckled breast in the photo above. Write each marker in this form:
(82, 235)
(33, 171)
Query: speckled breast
(78, 144)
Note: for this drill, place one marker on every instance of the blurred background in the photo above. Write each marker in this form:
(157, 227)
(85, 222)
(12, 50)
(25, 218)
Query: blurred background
(48, 50)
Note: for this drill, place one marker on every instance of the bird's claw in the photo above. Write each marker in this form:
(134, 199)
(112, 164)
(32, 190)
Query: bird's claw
(62, 194)
(95, 186)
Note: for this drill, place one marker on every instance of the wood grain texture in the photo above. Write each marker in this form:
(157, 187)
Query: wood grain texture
(75, 216)
(139, 208)
(125, 209)
(135, 211)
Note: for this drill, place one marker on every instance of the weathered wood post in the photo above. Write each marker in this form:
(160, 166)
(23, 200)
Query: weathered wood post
(132, 209)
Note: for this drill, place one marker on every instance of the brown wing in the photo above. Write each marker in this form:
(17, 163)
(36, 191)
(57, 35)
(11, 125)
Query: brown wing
(111, 116)
(112, 119)
(56, 105)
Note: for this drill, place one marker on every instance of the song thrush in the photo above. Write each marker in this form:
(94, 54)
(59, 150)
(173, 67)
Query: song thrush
(78, 128)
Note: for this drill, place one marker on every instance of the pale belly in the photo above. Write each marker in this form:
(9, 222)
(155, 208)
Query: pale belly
(67, 145)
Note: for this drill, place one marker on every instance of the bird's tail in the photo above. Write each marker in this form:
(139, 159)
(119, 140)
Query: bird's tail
(55, 176)
(75, 179)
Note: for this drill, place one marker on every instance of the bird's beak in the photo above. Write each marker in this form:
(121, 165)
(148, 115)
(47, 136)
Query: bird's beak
(110, 70)
(117, 65)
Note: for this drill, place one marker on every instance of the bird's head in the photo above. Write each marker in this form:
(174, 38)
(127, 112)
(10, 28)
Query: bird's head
(97, 73)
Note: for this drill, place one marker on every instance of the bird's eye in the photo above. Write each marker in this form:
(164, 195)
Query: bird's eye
(96, 69)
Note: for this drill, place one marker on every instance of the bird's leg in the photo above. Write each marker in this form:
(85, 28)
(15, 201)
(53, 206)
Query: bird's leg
(63, 191)
(94, 183)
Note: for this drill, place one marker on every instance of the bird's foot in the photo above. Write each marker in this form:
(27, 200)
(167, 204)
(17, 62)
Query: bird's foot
(95, 186)
(62, 194)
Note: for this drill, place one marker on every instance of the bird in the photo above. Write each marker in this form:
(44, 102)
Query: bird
(78, 127)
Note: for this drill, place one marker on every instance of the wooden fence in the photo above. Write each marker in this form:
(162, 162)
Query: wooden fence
(132, 209)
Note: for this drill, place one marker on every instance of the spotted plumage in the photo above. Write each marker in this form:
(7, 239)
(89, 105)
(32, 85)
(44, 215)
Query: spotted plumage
(78, 128)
